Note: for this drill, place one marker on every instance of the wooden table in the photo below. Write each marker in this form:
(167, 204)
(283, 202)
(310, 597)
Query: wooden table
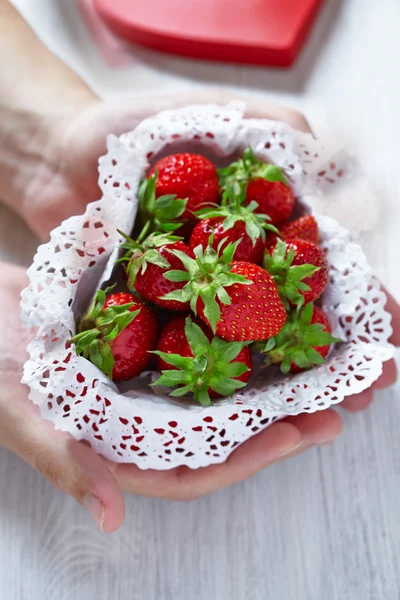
(323, 526)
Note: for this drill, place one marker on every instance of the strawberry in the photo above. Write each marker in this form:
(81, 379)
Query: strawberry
(116, 334)
(239, 301)
(303, 342)
(245, 251)
(191, 359)
(233, 221)
(189, 176)
(164, 213)
(265, 185)
(147, 261)
(304, 228)
(299, 269)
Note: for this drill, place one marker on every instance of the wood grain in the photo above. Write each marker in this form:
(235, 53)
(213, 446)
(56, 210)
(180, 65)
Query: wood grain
(321, 526)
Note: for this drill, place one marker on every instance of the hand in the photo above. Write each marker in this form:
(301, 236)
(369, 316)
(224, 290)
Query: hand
(96, 482)
(53, 135)
(65, 178)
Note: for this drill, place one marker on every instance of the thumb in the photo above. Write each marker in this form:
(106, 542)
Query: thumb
(71, 466)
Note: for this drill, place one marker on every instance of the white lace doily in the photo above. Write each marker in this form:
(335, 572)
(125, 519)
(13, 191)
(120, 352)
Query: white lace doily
(155, 431)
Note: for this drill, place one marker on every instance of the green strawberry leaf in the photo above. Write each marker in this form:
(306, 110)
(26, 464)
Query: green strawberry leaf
(155, 258)
(99, 327)
(298, 341)
(236, 369)
(177, 276)
(285, 365)
(236, 176)
(207, 277)
(182, 295)
(226, 386)
(231, 351)
(107, 359)
(95, 355)
(223, 296)
(165, 201)
(170, 378)
(164, 209)
(270, 345)
(196, 337)
(182, 391)
(314, 356)
(298, 272)
(167, 227)
(271, 173)
(201, 395)
(84, 339)
(306, 314)
(175, 209)
(209, 368)
(212, 311)
(176, 360)
(200, 364)
(288, 277)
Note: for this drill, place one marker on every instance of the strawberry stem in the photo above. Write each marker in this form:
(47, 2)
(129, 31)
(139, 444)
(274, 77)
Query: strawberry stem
(163, 212)
(234, 210)
(207, 275)
(288, 278)
(298, 341)
(98, 328)
(247, 169)
(210, 368)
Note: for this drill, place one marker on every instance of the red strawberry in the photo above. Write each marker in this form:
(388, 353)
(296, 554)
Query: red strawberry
(303, 342)
(117, 334)
(265, 185)
(299, 269)
(274, 198)
(245, 251)
(233, 221)
(238, 300)
(304, 228)
(193, 360)
(163, 213)
(147, 262)
(189, 176)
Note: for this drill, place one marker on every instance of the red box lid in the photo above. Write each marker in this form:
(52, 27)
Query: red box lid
(261, 32)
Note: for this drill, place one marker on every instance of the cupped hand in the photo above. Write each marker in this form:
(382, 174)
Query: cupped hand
(63, 186)
(66, 178)
(95, 482)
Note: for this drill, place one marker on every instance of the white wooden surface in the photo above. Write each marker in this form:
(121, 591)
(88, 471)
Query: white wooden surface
(321, 526)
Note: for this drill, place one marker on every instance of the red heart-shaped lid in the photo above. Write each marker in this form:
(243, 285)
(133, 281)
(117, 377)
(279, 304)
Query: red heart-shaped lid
(263, 32)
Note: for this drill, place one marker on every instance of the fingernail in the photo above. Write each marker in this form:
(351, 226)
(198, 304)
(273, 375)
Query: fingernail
(112, 466)
(326, 442)
(291, 449)
(96, 509)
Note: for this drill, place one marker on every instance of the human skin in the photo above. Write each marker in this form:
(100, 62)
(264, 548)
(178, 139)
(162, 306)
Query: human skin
(52, 131)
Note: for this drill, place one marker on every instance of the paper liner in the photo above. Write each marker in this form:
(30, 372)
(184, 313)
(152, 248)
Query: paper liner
(131, 423)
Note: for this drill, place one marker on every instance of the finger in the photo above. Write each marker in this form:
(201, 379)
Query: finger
(282, 439)
(318, 428)
(388, 377)
(394, 308)
(255, 107)
(71, 466)
(359, 401)
(362, 400)
(184, 483)
(127, 113)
